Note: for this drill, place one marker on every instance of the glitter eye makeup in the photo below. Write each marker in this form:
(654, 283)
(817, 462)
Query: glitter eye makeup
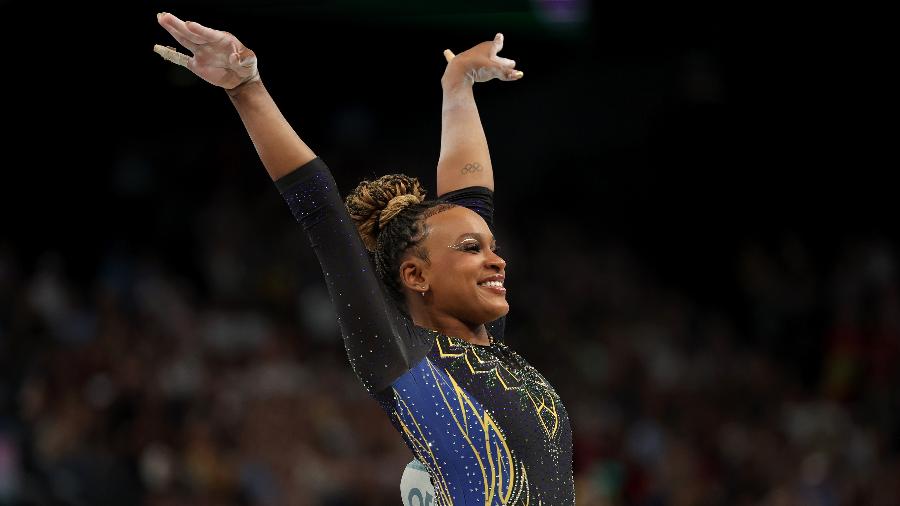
(468, 245)
(472, 244)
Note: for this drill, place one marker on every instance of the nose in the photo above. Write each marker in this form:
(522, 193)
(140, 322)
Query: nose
(496, 261)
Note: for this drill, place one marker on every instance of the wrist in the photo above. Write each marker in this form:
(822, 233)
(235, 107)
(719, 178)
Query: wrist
(248, 86)
(457, 75)
(456, 78)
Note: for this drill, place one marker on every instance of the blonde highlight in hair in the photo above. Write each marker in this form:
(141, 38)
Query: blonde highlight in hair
(373, 204)
(394, 206)
(390, 215)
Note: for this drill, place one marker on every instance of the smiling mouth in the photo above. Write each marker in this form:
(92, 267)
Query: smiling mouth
(494, 286)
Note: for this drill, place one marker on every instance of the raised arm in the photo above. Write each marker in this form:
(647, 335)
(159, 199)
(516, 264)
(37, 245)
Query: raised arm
(220, 59)
(464, 160)
(377, 341)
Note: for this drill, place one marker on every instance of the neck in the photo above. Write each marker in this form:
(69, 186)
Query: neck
(449, 326)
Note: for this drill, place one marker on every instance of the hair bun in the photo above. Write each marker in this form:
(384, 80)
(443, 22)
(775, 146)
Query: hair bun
(394, 206)
(373, 204)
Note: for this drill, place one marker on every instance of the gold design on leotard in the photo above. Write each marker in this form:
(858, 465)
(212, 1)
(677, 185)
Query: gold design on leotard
(543, 409)
(447, 354)
(503, 477)
(480, 366)
(499, 480)
(541, 395)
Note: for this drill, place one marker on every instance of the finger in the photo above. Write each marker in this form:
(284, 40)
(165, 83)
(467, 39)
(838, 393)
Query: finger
(170, 54)
(448, 54)
(185, 42)
(498, 44)
(207, 34)
(504, 62)
(172, 25)
(513, 75)
(177, 28)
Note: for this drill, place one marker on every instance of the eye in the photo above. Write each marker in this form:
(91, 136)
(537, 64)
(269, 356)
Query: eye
(496, 249)
(468, 246)
(471, 247)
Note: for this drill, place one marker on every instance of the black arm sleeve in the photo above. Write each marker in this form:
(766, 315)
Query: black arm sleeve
(378, 339)
(476, 198)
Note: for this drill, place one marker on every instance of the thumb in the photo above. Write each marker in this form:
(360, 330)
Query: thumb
(497, 44)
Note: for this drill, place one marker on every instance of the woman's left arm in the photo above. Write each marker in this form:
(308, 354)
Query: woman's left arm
(464, 160)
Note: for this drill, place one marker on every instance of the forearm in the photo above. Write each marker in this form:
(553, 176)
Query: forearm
(464, 157)
(372, 331)
(279, 147)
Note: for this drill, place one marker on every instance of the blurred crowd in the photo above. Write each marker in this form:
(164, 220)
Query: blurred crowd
(149, 384)
(143, 385)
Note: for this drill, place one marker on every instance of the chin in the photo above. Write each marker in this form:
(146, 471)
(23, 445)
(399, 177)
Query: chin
(497, 313)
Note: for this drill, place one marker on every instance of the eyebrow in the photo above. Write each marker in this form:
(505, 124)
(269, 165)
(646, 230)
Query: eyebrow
(472, 235)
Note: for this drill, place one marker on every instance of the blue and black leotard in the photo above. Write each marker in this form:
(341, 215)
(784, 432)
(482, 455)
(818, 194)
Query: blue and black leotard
(487, 426)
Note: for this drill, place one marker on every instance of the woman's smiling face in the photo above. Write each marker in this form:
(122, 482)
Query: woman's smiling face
(465, 275)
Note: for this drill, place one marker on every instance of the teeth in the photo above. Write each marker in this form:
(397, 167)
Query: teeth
(495, 284)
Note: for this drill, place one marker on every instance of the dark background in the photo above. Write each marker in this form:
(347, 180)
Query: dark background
(711, 171)
(694, 125)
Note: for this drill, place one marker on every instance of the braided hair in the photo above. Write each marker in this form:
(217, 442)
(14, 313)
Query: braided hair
(390, 215)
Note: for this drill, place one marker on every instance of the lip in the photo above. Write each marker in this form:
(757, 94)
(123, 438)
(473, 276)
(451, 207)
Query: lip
(496, 277)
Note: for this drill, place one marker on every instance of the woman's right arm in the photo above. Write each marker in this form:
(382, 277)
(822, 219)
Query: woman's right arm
(279, 147)
(376, 339)
(221, 59)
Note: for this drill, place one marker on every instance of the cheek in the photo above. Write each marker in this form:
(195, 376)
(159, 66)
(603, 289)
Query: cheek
(456, 276)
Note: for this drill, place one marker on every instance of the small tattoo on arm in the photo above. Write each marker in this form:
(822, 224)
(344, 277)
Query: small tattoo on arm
(471, 168)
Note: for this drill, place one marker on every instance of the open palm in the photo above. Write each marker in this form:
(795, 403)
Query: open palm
(218, 58)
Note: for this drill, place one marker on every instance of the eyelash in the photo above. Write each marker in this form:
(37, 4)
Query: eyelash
(476, 248)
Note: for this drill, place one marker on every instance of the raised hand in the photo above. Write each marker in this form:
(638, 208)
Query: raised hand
(218, 58)
(481, 63)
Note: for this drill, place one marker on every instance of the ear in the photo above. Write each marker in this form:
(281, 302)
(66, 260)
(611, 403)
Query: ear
(414, 274)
